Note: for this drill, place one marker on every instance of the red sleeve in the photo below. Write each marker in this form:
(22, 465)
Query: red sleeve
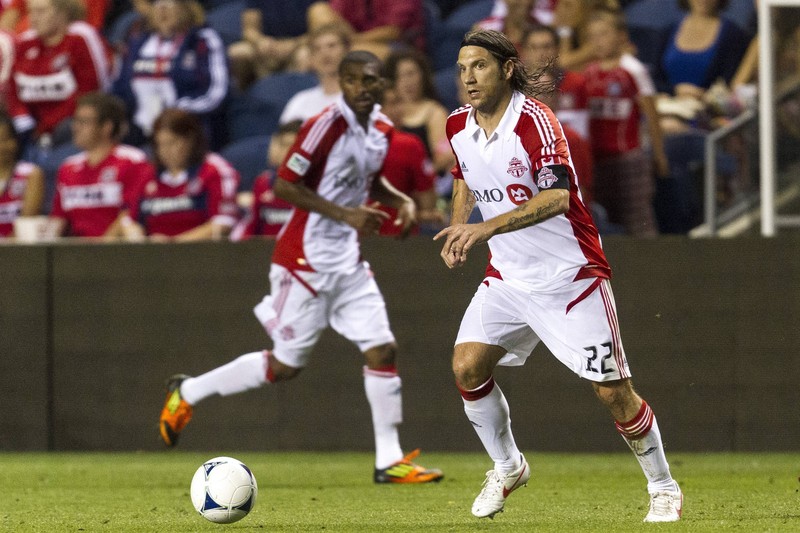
(422, 175)
(139, 173)
(581, 154)
(542, 136)
(305, 160)
(58, 210)
(90, 56)
(221, 181)
(455, 123)
(23, 120)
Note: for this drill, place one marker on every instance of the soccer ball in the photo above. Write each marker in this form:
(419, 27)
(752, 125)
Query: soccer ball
(223, 490)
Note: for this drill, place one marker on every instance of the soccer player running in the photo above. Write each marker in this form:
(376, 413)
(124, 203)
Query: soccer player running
(547, 278)
(317, 277)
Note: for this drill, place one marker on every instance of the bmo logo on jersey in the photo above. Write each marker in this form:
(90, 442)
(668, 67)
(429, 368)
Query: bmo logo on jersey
(518, 193)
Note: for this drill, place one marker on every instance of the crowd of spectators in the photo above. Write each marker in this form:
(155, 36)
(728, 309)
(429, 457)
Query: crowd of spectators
(174, 67)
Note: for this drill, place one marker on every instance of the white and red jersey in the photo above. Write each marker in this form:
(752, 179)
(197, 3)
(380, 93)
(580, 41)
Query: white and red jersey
(573, 104)
(12, 195)
(508, 169)
(90, 197)
(171, 205)
(614, 112)
(336, 158)
(47, 80)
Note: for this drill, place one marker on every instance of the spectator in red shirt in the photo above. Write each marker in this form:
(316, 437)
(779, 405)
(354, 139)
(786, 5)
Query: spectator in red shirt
(15, 16)
(377, 26)
(56, 62)
(267, 213)
(94, 187)
(193, 196)
(409, 169)
(620, 93)
(540, 50)
(21, 183)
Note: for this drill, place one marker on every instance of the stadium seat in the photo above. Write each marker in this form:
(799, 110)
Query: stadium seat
(453, 29)
(743, 13)
(226, 18)
(117, 33)
(278, 88)
(257, 111)
(50, 163)
(434, 33)
(445, 82)
(653, 13)
(464, 17)
(249, 118)
(249, 157)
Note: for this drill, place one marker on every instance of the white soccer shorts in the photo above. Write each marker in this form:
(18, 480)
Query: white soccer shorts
(578, 324)
(302, 304)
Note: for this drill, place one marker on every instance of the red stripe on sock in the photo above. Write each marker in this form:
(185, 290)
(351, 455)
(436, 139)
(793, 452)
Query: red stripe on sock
(270, 375)
(388, 371)
(639, 425)
(478, 393)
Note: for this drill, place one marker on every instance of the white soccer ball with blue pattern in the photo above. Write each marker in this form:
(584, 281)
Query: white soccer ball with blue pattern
(223, 490)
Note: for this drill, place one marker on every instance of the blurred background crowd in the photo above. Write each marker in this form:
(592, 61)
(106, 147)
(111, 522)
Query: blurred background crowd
(166, 119)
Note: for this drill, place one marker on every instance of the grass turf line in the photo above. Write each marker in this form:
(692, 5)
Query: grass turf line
(333, 492)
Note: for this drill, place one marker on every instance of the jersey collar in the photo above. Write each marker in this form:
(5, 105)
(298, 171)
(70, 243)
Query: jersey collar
(350, 116)
(505, 129)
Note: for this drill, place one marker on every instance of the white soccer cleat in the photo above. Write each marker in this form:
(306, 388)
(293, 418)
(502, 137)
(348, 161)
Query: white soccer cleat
(665, 506)
(496, 489)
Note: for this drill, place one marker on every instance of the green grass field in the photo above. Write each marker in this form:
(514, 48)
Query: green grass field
(333, 492)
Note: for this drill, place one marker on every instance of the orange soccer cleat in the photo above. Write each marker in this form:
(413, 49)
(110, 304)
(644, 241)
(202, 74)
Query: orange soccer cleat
(404, 471)
(176, 412)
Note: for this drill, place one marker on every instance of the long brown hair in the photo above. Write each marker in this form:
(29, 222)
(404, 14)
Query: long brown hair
(502, 49)
(187, 126)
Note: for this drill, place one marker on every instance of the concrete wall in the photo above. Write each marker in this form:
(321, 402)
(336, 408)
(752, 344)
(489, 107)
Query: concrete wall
(90, 332)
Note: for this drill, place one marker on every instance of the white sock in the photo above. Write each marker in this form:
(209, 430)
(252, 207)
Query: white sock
(644, 439)
(385, 399)
(246, 372)
(490, 417)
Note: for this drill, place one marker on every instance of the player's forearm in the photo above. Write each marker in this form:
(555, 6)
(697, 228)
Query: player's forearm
(462, 204)
(541, 207)
(304, 198)
(387, 194)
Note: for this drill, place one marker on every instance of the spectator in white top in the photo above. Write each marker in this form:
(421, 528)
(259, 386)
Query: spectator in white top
(179, 64)
(328, 45)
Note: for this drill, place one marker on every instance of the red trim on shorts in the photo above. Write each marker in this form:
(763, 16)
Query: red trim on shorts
(589, 290)
(270, 376)
(388, 371)
(479, 392)
(303, 282)
(613, 322)
(491, 271)
(639, 425)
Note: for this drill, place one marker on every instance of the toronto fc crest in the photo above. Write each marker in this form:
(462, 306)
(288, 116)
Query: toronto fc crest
(516, 168)
(545, 178)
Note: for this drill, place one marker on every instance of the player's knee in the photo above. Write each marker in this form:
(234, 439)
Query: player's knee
(281, 372)
(615, 393)
(381, 356)
(468, 374)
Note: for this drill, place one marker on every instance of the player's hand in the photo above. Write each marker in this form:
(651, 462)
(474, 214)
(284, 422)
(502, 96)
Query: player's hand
(365, 219)
(460, 238)
(406, 218)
